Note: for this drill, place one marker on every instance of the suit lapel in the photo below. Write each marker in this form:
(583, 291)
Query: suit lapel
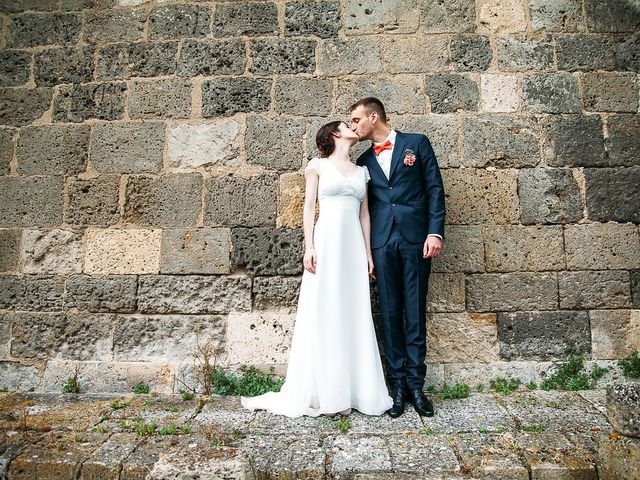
(398, 148)
(372, 164)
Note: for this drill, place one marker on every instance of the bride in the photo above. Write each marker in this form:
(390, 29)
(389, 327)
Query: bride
(334, 363)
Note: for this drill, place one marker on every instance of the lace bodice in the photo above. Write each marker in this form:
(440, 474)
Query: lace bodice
(333, 183)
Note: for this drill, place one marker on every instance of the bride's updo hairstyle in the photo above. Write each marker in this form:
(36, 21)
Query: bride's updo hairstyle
(325, 141)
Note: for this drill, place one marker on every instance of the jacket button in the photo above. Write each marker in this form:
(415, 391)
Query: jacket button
(393, 204)
(390, 187)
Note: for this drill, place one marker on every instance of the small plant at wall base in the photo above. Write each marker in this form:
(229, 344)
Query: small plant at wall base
(630, 365)
(571, 375)
(141, 389)
(72, 385)
(459, 390)
(252, 382)
(505, 385)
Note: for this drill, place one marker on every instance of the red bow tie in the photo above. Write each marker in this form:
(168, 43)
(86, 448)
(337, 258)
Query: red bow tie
(383, 146)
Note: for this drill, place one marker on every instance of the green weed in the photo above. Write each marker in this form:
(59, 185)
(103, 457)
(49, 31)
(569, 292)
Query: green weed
(630, 365)
(459, 390)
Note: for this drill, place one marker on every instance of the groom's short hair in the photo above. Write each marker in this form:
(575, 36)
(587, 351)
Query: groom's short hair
(372, 104)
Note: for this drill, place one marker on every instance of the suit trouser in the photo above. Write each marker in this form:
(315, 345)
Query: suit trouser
(402, 278)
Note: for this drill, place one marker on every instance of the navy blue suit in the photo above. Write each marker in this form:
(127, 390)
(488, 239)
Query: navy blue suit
(404, 209)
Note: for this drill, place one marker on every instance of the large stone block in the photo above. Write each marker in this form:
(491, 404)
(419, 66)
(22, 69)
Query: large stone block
(596, 289)
(93, 201)
(623, 409)
(128, 147)
(543, 335)
(21, 106)
(613, 193)
(353, 56)
(476, 373)
(105, 293)
(15, 375)
(373, 16)
(612, 16)
(228, 96)
(451, 16)
(16, 67)
(610, 91)
(550, 93)
(122, 251)
(54, 66)
(200, 250)
(502, 141)
(511, 292)
(618, 457)
(471, 53)
(55, 335)
(556, 15)
(450, 93)
(282, 56)
(462, 337)
(463, 250)
(32, 29)
(291, 190)
(259, 338)
(501, 16)
(402, 94)
(179, 21)
(194, 294)
(203, 145)
(101, 26)
(274, 293)
(517, 53)
(245, 18)
(573, 141)
(171, 200)
(31, 201)
(274, 143)
(635, 287)
(514, 248)
(549, 196)
(416, 54)
(584, 52)
(161, 98)
(318, 17)
(6, 150)
(446, 292)
(31, 292)
(623, 141)
(80, 102)
(51, 251)
(614, 333)
(211, 57)
(234, 200)
(602, 246)
(52, 150)
(627, 56)
(481, 196)
(268, 251)
(442, 131)
(9, 250)
(303, 96)
(121, 61)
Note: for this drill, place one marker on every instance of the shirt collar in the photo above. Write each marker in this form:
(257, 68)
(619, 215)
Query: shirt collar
(391, 137)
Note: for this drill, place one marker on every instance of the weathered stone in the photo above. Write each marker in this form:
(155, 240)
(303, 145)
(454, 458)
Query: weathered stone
(122, 251)
(271, 293)
(303, 96)
(549, 196)
(107, 293)
(202, 145)
(228, 96)
(71, 336)
(127, 147)
(246, 18)
(52, 251)
(635, 287)
(450, 93)
(502, 141)
(302, 454)
(353, 56)
(489, 456)
(33, 29)
(359, 454)
(414, 55)
(179, 21)
(52, 150)
(106, 460)
(550, 93)
(233, 200)
(201, 250)
(282, 56)
(623, 141)
(584, 52)
(371, 16)
(517, 291)
(543, 335)
(211, 57)
(265, 138)
(618, 457)
(602, 247)
(54, 66)
(80, 102)
(259, 338)
(623, 408)
(627, 53)
(446, 292)
(19, 376)
(163, 98)
(464, 250)
(614, 334)
(268, 251)
(515, 248)
(291, 190)
(462, 337)
(114, 25)
(75, 5)
(442, 131)
(193, 294)
(31, 201)
(120, 61)
(21, 106)
(596, 289)
(408, 454)
(573, 141)
(31, 292)
(556, 15)
(481, 196)
(402, 94)
(471, 53)
(9, 250)
(610, 91)
(452, 16)
(477, 374)
(93, 202)
(17, 6)
(501, 16)
(520, 54)
(6, 150)
(318, 17)
(614, 16)
(5, 336)
(612, 194)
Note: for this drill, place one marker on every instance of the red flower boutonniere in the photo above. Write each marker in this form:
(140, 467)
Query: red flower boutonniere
(409, 157)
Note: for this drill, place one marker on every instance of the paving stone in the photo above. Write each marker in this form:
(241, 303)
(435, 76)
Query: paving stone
(21, 106)
(103, 26)
(617, 247)
(268, 251)
(226, 414)
(421, 54)
(108, 293)
(519, 291)
(33, 29)
(31, 201)
(513, 248)
(139, 463)
(228, 96)
(319, 17)
(52, 150)
(272, 293)
(549, 196)
(614, 333)
(584, 52)
(211, 57)
(202, 250)
(203, 145)
(179, 21)
(54, 66)
(605, 184)
(408, 454)
(491, 456)
(623, 142)
(442, 131)
(352, 56)
(623, 408)
(499, 93)
(614, 17)
(573, 141)
(122, 251)
(291, 189)
(371, 16)
(285, 456)
(79, 102)
(93, 201)
(274, 143)
(9, 249)
(402, 94)
(618, 457)
(556, 15)
(610, 91)
(594, 289)
(441, 17)
(163, 98)
(462, 337)
(450, 93)
(303, 96)
(261, 338)
(282, 56)
(627, 57)
(106, 460)
(446, 292)
(16, 66)
(517, 53)
(464, 251)
(51, 251)
(246, 18)
(407, 424)
(550, 93)
(31, 292)
(358, 455)
(500, 16)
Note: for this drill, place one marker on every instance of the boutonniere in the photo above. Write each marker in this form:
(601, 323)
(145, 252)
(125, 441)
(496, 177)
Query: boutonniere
(409, 157)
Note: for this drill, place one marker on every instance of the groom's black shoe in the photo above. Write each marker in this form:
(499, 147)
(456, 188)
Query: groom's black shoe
(397, 408)
(422, 405)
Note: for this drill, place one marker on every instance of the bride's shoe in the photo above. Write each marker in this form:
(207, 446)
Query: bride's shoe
(345, 412)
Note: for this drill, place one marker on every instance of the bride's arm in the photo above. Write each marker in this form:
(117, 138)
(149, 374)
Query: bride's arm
(365, 222)
(308, 217)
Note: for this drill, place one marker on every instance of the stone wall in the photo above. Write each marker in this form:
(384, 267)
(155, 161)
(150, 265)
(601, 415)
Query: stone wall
(151, 177)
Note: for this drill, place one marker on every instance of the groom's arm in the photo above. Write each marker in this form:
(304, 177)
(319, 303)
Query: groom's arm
(433, 186)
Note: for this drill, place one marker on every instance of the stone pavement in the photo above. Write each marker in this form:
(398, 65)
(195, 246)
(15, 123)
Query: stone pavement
(537, 435)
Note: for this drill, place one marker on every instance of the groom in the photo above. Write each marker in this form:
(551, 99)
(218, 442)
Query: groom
(406, 202)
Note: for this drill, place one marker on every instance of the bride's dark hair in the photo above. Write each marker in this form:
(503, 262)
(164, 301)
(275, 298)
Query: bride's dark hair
(325, 141)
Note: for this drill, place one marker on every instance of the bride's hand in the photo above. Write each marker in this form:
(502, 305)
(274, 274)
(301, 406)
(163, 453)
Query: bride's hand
(371, 267)
(310, 260)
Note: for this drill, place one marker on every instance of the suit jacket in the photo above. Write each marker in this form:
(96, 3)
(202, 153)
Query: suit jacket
(413, 195)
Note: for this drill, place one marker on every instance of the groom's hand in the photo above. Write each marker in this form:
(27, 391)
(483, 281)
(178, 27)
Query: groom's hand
(371, 268)
(432, 247)
(310, 260)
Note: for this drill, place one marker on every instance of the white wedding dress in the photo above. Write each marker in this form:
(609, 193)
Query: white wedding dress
(334, 362)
